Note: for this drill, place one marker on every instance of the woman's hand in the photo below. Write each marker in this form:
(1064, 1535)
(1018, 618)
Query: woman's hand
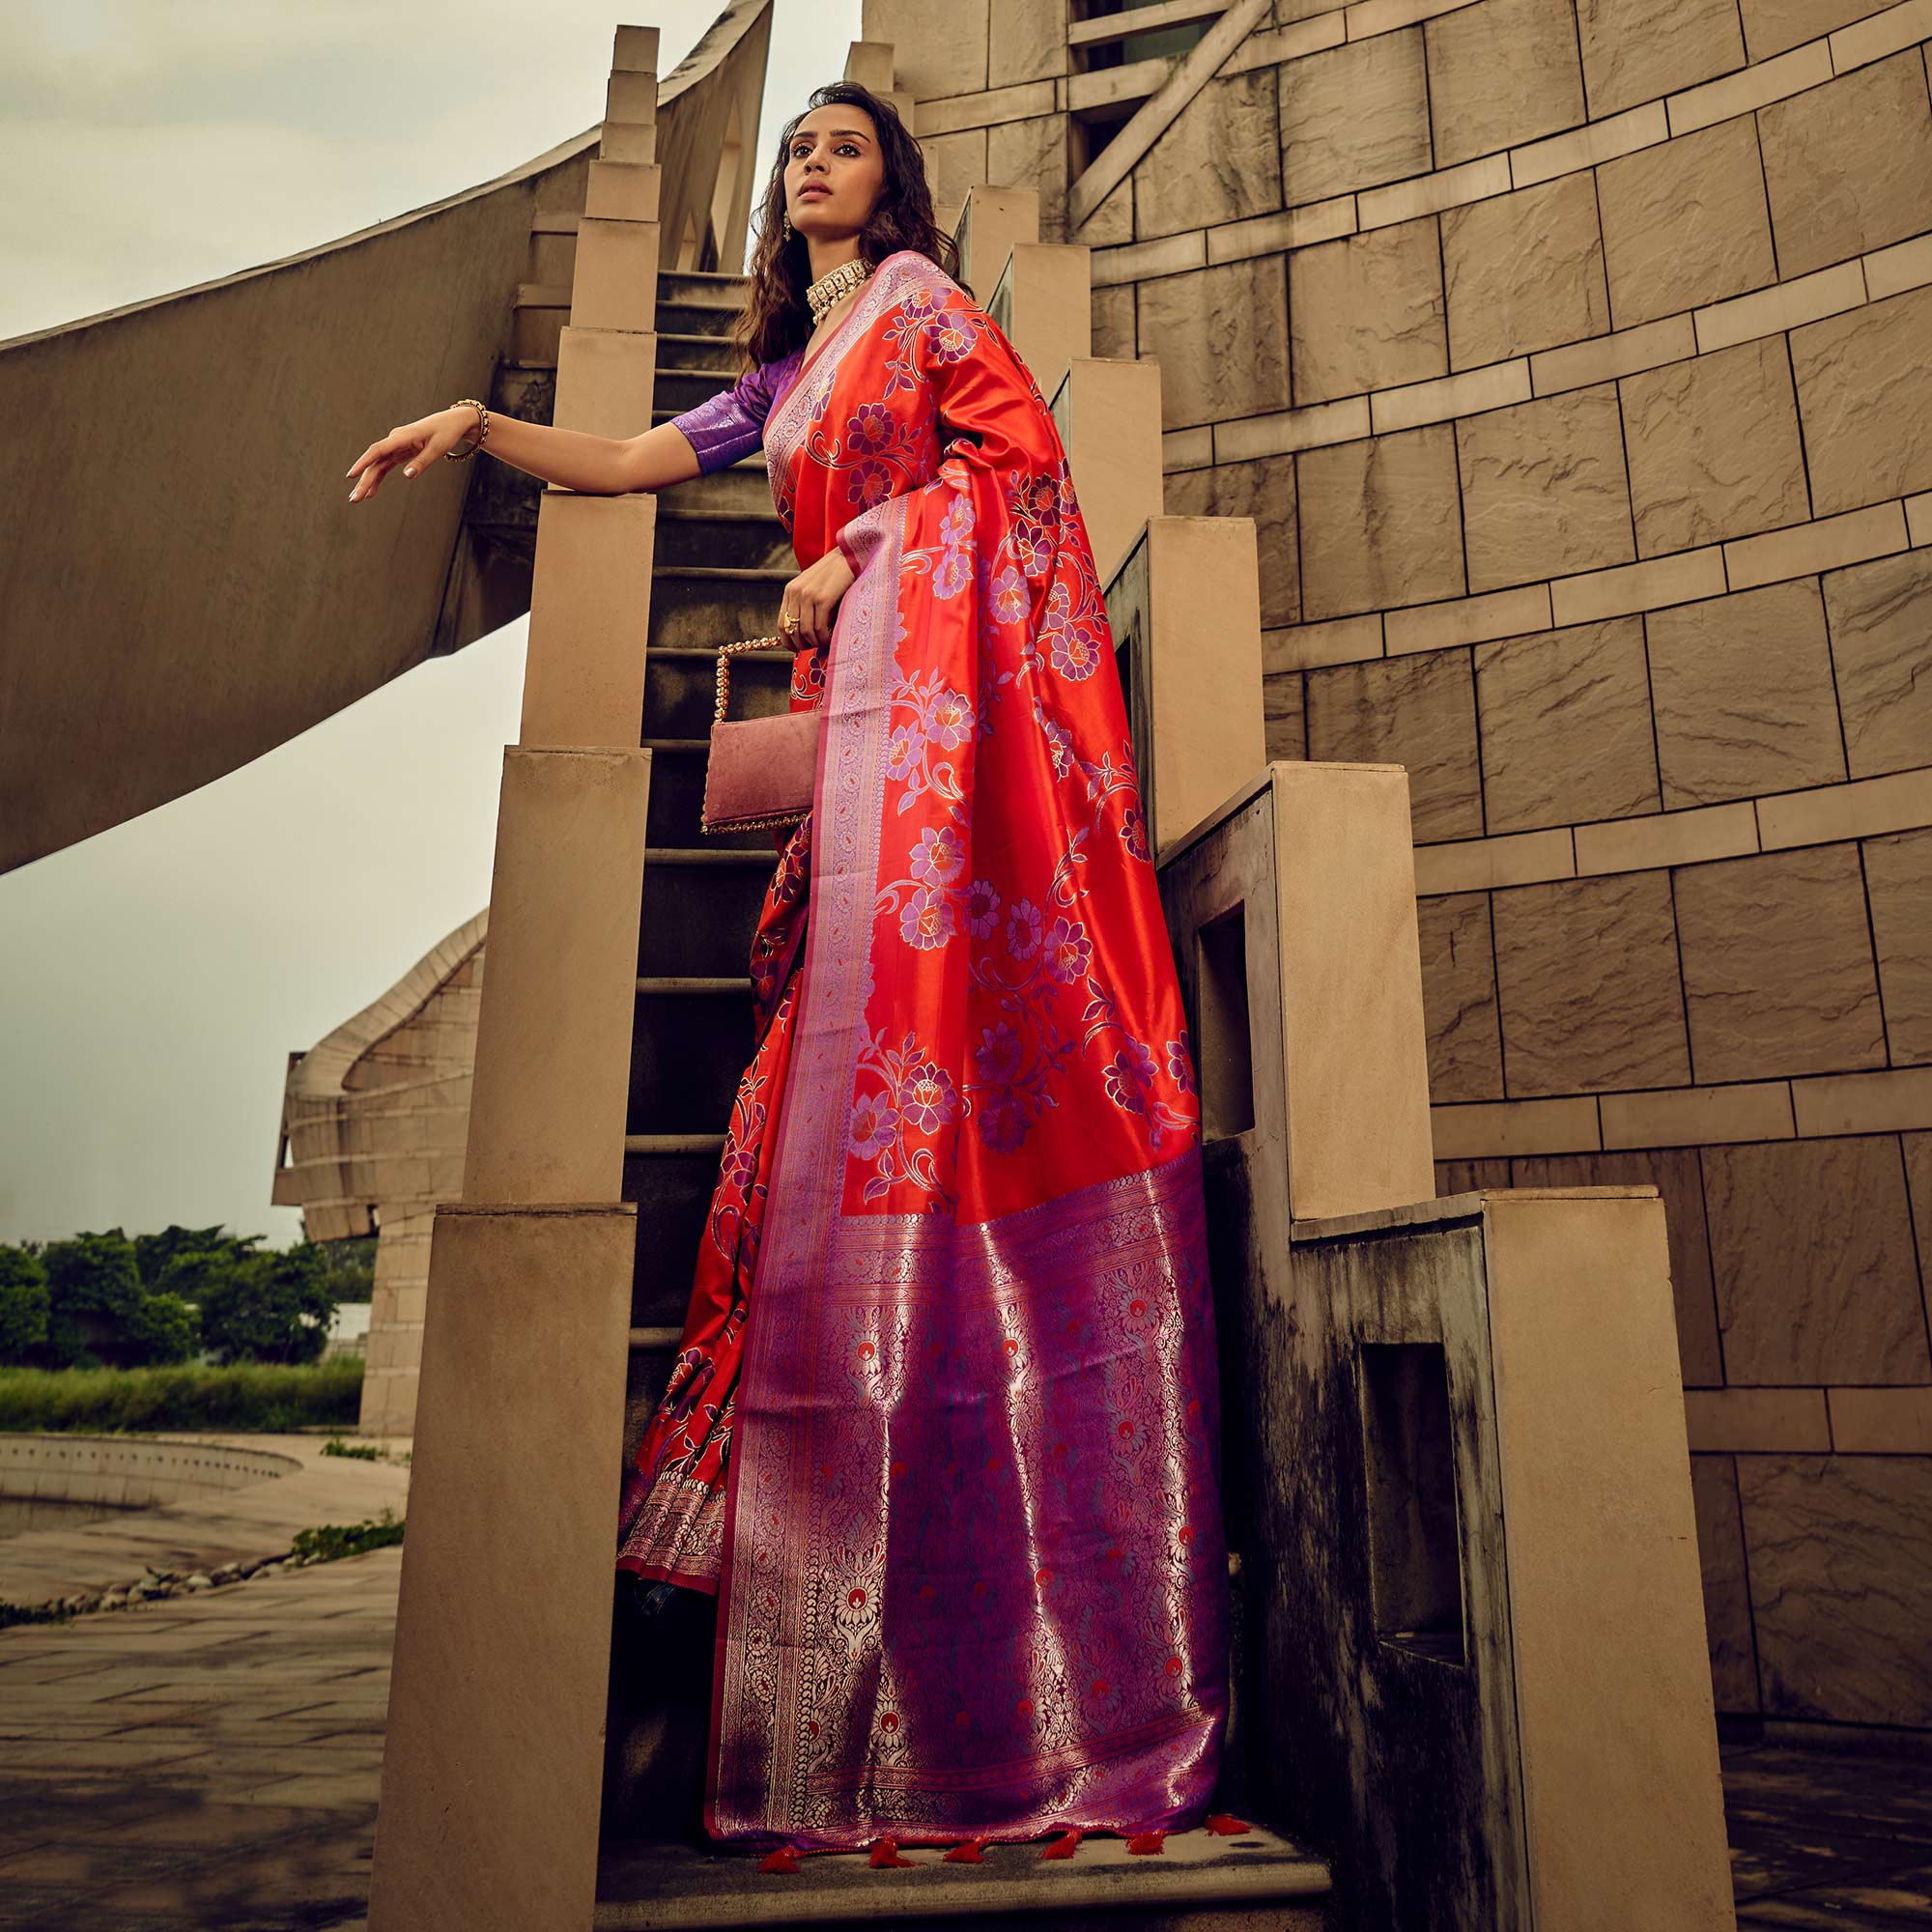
(413, 445)
(813, 596)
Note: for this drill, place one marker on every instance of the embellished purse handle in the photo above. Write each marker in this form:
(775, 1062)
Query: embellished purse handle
(726, 653)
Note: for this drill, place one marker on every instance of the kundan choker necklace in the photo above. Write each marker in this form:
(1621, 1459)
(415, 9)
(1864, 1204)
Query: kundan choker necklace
(824, 294)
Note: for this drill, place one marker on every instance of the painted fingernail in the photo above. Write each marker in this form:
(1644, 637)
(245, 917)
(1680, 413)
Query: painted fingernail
(409, 470)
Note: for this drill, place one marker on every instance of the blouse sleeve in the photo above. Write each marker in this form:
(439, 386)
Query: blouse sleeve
(731, 424)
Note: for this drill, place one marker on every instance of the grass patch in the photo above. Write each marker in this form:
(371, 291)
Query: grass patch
(32, 1613)
(333, 1539)
(361, 1452)
(267, 1397)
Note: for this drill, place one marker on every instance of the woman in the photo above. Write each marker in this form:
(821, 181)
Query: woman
(942, 1436)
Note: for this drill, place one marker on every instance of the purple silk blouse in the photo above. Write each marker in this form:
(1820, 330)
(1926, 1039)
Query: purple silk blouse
(730, 425)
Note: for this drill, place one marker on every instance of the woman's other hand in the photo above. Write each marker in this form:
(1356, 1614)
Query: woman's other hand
(812, 597)
(413, 445)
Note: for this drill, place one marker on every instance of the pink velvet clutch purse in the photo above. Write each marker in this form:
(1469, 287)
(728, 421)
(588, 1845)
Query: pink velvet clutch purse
(761, 770)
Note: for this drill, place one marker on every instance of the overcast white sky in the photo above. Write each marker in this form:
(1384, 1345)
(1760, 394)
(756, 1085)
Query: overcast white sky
(154, 978)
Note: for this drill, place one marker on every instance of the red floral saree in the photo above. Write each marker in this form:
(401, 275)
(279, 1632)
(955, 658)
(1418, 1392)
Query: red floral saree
(944, 1431)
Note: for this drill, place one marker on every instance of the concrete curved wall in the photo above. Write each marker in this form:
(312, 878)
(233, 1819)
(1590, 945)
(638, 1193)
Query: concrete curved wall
(129, 1472)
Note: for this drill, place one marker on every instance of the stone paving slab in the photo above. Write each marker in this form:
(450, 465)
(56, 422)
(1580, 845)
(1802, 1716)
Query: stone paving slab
(228, 1526)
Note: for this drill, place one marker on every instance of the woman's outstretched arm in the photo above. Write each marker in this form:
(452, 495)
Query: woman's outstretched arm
(593, 465)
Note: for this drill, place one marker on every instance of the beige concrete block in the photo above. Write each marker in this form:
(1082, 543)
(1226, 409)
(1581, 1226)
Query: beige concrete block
(1840, 1553)
(1675, 1174)
(1027, 101)
(634, 144)
(1467, 620)
(1032, 154)
(635, 50)
(553, 1048)
(1284, 716)
(1743, 693)
(1773, 25)
(1881, 1422)
(1714, 448)
(1526, 270)
(1221, 337)
(1113, 222)
(1753, 1421)
(1874, 36)
(1827, 543)
(1620, 1024)
(1264, 490)
(1898, 884)
(605, 379)
(936, 51)
(1113, 323)
(1108, 414)
(1042, 301)
(1340, 641)
(1380, 523)
(1432, 193)
(954, 163)
(1501, 72)
(1589, 146)
(1812, 1251)
(1785, 305)
(1637, 586)
(1516, 859)
(1864, 391)
(1354, 1043)
(870, 64)
(993, 220)
(1354, 115)
(1218, 161)
(1848, 165)
(1145, 261)
(1493, 1129)
(1544, 489)
(616, 282)
(1720, 1559)
(490, 1804)
(1636, 51)
(1025, 41)
(1918, 1151)
(631, 95)
(1290, 229)
(1860, 809)
(1313, 428)
(1881, 617)
(590, 604)
(1450, 396)
(1366, 312)
(1180, 448)
(1667, 838)
(1906, 265)
(1777, 966)
(1459, 997)
(1621, 353)
(1416, 712)
(1863, 1103)
(623, 191)
(1468, 1177)
(1749, 88)
(1684, 223)
(1566, 726)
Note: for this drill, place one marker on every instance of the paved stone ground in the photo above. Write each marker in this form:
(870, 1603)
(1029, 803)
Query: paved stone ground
(213, 1761)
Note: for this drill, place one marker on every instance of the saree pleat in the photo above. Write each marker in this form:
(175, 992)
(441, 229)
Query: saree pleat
(962, 1392)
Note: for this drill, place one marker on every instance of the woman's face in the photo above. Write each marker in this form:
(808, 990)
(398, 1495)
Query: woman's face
(833, 172)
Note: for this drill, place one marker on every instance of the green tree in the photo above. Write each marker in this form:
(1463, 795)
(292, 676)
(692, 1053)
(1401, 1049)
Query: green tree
(23, 1304)
(347, 1265)
(93, 1289)
(272, 1307)
(153, 1252)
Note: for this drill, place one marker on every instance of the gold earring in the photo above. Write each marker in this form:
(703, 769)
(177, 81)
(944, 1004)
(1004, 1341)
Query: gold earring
(787, 224)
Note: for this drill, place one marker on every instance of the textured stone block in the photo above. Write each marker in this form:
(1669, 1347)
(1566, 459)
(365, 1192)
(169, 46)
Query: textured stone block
(1379, 523)
(1354, 115)
(936, 50)
(1714, 447)
(1032, 154)
(1685, 222)
(1777, 965)
(1283, 718)
(1265, 491)
(1880, 619)
(1028, 41)
(1459, 999)
(1417, 712)
(1566, 731)
(1840, 1553)
(1771, 26)
(1721, 1559)
(1848, 165)
(956, 164)
(1586, 975)
(1501, 72)
(1638, 49)
(1113, 322)
(1865, 394)
(1524, 271)
(1544, 489)
(1221, 337)
(1218, 161)
(1676, 1175)
(1917, 1152)
(1743, 690)
(1366, 313)
(1898, 881)
(1812, 1257)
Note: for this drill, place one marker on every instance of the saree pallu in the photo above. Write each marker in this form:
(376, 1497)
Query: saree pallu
(971, 1563)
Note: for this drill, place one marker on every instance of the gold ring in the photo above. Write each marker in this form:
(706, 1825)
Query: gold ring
(788, 623)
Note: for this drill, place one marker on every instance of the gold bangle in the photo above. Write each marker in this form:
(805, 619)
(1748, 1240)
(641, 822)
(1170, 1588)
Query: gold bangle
(463, 451)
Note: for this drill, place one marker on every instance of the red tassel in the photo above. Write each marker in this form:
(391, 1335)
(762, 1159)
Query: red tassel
(1063, 1846)
(967, 1852)
(885, 1852)
(1146, 1841)
(1225, 1825)
(784, 1860)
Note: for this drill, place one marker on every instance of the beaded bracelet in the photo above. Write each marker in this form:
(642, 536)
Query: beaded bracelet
(469, 449)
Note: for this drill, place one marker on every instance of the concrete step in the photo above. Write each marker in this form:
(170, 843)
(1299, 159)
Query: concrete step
(678, 389)
(677, 798)
(701, 288)
(700, 909)
(681, 686)
(706, 604)
(704, 349)
(671, 1178)
(688, 1051)
(1200, 1882)
(743, 485)
(748, 539)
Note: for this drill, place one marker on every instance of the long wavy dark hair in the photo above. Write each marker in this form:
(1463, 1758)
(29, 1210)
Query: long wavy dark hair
(776, 318)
